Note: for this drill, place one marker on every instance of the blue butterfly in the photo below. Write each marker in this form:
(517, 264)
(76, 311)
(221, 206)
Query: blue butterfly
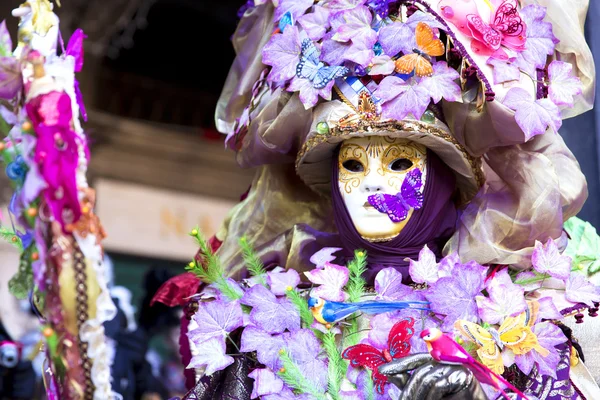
(311, 68)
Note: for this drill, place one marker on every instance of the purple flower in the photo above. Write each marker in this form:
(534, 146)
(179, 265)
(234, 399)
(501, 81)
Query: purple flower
(579, 290)
(216, 319)
(316, 23)
(549, 336)
(401, 98)
(546, 259)
(282, 53)
(504, 70)
(280, 282)
(270, 313)
(563, 85)
(304, 350)
(267, 346)
(265, 383)
(534, 117)
(540, 40)
(454, 296)
(212, 356)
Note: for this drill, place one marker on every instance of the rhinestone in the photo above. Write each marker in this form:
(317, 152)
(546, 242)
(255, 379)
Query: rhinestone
(428, 117)
(322, 128)
(377, 49)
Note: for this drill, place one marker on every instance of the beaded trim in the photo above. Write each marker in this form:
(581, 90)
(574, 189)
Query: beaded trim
(391, 125)
(82, 317)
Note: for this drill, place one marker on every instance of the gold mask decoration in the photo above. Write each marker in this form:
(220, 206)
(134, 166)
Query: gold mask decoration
(376, 164)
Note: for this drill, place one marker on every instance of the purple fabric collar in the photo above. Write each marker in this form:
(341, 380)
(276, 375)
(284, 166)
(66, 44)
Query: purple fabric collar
(432, 225)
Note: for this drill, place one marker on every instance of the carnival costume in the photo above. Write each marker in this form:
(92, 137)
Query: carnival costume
(408, 158)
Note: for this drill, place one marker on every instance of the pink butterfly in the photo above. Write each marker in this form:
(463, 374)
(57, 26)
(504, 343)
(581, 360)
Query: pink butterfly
(507, 29)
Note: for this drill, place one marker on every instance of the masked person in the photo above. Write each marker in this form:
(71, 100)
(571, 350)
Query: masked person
(412, 132)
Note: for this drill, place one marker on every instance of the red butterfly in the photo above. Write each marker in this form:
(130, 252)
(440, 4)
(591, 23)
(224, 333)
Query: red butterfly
(364, 355)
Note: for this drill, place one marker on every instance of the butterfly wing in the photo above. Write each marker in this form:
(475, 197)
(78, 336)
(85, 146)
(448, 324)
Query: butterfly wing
(407, 63)
(363, 355)
(411, 189)
(399, 337)
(423, 67)
(488, 351)
(507, 19)
(515, 332)
(389, 204)
(327, 74)
(484, 32)
(427, 42)
(309, 60)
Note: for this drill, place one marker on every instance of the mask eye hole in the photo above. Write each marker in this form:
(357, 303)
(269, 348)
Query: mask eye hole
(401, 164)
(353, 166)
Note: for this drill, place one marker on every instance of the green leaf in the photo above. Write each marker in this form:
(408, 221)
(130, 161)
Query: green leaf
(584, 245)
(11, 237)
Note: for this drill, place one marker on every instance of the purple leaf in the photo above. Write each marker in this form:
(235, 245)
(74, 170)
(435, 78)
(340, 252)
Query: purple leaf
(540, 40)
(271, 314)
(332, 278)
(424, 270)
(533, 117)
(339, 5)
(5, 41)
(216, 319)
(8, 116)
(563, 86)
(10, 78)
(442, 83)
(265, 383)
(400, 98)
(579, 290)
(355, 25)
(382, 65)
(389, 286)
(294, 7)
(446, 265)
(75, 48)
(309, 96)
(316, 23)
(504, 70)
(505, 300)
(548, 309)
(325, 255)
(546, 259)
(212, 356)
(282, 53)
(400, 37)
(281, 282)
(267, 346)
(335, 53)
(454, 296)
(549, 336)
(304, 349)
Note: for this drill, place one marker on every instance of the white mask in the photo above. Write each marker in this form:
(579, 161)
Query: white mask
(376, 164)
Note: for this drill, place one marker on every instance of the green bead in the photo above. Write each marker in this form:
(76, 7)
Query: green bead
(322, 128)
(428, 116)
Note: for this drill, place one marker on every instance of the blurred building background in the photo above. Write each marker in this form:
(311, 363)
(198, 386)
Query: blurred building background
(152, 76)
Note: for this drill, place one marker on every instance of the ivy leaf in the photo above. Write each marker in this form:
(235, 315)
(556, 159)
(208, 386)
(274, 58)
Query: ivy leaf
(505, 300)
(534, 117)
(382, 65)
(272, 314)
(355, 25)
(282, 53)
(316, 23)
(425, 269)
(549, 336)
(563, 86)
(540, 40)
(216, 319)
(332, 278)
(10, 78)
(400, 37)
(265, 383)
(280, 282)
(212, 357)
(267, 346)
(323, 256)
(442, 83)
(579, 290)
(400, 98)
(295, 7)
(335, 53)
(504, 70)
(546, 259)
(308, 94)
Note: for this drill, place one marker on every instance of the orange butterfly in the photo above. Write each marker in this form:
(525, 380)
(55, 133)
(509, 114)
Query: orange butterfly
(420, 60)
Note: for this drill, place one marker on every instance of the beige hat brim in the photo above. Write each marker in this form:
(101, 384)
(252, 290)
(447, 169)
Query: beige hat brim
(313, 163)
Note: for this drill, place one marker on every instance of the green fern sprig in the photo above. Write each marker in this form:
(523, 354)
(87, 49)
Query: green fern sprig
(368, 388)
(210, 271)
(302, 307)
(356, 283)
(253, 263)
(11, 237)
(291, 374)
(337, 367)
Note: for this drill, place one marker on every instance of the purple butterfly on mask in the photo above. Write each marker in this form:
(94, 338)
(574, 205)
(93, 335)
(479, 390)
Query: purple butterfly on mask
(397, 206)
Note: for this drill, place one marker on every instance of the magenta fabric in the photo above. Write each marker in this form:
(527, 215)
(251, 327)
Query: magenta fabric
(432, 225)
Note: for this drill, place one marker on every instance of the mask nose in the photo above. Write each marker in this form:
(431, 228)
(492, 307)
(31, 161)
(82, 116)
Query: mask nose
(373, 183)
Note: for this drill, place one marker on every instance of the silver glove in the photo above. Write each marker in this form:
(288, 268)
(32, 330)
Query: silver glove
(418, 376)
